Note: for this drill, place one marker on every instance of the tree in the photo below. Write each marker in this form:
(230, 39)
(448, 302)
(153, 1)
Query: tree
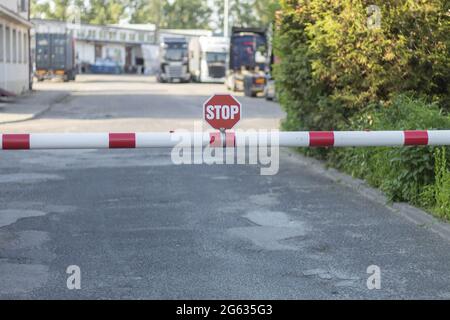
(58, 11)
(265, 10)
(334, 63)
(241, 13)
(176, 14)
(146, 11)
(186, 14)
(92, 11)
(106, 11)
(247, 13)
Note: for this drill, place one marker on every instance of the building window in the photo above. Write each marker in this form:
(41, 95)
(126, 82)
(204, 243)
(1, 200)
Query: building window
(123, 36)
(25, 48)
(19, 48)
(8, 44)
(141, 37)
(132, 37)
(2, 49)
(14, 46)
(112, 35)
(23, 5)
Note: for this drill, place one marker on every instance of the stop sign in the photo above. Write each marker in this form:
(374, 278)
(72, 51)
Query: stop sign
(222, 111)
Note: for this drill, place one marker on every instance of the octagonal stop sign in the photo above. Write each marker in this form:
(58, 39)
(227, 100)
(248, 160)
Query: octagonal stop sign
(222, 111)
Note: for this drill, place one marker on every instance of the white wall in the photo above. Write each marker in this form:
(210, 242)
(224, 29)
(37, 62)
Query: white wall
(151, 58)
(14, 74)
(85, 52)
(10, 4)
(15, 6)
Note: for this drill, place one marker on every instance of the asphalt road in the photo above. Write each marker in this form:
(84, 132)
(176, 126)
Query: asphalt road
(140, 227)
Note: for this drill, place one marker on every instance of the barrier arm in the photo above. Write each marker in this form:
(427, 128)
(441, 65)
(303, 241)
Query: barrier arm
(218, 139)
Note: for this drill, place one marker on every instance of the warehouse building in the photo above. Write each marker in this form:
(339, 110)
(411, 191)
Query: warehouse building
(134, 47)
(14, 47)
(125, 45)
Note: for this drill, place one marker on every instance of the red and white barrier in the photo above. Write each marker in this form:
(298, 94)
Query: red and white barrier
(218, 139)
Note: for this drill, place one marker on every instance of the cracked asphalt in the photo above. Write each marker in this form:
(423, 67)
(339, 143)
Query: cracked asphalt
(140, 227)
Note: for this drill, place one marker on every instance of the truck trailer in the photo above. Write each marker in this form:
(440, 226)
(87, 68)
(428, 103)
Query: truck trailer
(208, 58)
(173, 60)
(55, 56)
(248, 60)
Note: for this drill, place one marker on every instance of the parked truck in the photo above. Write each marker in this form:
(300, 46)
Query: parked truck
(248, 61)
(173, 60)
(55, 56)
(208, 58)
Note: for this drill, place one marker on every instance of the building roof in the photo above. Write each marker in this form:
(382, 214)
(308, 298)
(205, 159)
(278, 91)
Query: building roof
(11, 15)
(188, 32)
(131, 27)
(135, 26)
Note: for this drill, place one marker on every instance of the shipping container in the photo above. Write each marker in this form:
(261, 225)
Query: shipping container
(55, 56)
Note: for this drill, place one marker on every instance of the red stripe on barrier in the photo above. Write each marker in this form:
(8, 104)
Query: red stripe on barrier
(16, 141)
(230, 139)
(415, 137)
(122, 140)
(214, 139)
(321, 138)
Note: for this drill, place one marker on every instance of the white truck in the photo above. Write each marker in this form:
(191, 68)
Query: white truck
(208, 58)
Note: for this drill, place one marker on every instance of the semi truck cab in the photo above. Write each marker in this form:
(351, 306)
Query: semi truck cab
(208, 59)
(173, 64)
(248, 60)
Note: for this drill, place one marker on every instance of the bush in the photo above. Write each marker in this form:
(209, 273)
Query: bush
(333, 65)
(401, 172)
(338, 71)
(436, 196)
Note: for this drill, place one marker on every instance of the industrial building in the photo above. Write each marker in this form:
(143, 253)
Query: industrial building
(134, 47)
(14, 47)
(125, 45)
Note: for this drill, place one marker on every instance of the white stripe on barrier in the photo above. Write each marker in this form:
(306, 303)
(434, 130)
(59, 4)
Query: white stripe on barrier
(368, 138)
(167, 139)
(438, 137)
(69, 141)
(294, 139)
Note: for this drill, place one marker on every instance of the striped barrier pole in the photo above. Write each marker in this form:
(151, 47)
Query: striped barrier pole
(221, 139)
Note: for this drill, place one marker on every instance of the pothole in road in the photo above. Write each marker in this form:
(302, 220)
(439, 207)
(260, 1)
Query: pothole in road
(28, 239)
(266, 199)
(10, 216)
(340, 279)
(16, 278)
(271, 228)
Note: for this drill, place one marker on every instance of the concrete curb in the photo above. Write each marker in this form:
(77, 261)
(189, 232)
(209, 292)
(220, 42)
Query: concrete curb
(58, 98)
(410, 213)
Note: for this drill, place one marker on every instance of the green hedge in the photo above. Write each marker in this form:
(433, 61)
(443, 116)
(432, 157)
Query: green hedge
(333, 65)
(339, 71)
(419, 175)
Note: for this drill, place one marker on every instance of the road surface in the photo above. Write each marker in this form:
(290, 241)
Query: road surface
(138, 226)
